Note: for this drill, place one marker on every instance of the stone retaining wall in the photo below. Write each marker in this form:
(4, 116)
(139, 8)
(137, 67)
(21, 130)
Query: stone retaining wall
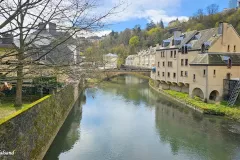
(30, 133)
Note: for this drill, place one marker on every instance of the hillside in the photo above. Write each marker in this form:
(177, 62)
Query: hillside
(130, 41)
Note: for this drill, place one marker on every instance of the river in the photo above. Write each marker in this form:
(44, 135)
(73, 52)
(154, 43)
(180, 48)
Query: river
(126, 120)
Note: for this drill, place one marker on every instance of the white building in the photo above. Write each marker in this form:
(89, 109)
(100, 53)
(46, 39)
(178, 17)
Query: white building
(110, 61)
(130, 60)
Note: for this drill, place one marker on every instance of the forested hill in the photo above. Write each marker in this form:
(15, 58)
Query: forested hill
(130, 41)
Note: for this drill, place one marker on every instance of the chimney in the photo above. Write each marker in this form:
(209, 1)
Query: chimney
(177, 33)
(222, 30)
(7, 39)
(41, 26)
(52, 28)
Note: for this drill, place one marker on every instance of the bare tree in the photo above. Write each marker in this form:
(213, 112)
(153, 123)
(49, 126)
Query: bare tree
(28, 21)
(212, 9)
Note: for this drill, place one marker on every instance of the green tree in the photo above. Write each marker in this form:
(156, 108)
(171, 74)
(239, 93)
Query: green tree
(150, 25)
(134, 41)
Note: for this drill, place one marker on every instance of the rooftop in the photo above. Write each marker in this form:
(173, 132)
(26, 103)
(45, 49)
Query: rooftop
(216, 59)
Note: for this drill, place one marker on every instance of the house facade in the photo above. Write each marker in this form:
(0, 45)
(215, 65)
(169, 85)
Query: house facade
(197, 62)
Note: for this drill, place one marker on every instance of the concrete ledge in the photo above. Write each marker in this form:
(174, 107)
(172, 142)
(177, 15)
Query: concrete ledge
(176, 100)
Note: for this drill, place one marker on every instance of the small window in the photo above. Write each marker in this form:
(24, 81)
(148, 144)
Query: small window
(171, 54)
(182, 49)
(175, 54)
(163, 63)
(234, 48)
(168, 74)
(181, 73)
(186, 62)
(163, 54)
(158, 73)
(228, 48)
(163, 74)
(186, 73)
(174, 75)
(182, 61)
(214, 72)
(203, 48)
(194, 77)
(204, 72)
(229, 63)
(185, 50)
(158, 64)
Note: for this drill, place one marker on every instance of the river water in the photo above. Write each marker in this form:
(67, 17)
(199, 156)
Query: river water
(126, 120)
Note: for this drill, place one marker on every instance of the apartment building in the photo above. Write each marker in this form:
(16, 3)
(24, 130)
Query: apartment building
(197, 62)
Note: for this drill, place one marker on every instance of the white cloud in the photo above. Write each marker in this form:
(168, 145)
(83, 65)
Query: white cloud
(148, 9)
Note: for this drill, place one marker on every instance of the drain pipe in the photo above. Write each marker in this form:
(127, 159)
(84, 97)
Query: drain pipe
(206, 93)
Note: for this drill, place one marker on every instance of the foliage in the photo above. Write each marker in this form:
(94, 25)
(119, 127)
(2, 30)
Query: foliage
(134, 41)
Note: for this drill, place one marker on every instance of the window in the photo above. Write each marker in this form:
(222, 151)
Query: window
(234, 48)
(203, 48)
(214, 72)
(185, 50)
(182, 61)
(175, 54)
(229, 63)
(204, 72)
(174, 75)
(163, 64)
(182, 50)
(171, 54)
(168, 74)
(186, 74)
(194, 77)
(158, 64)
(169, 64)
(158, 73)
(163, 54)
(181, 73)
(186, 62)
(163, 74)
(228, 48)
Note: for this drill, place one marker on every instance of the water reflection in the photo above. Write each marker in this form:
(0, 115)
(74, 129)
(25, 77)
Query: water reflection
(125, 119)
(69, 133)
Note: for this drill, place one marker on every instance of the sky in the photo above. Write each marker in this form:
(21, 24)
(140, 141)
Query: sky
(142, 11)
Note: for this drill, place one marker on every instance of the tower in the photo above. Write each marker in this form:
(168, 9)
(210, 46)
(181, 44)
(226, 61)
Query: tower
(233, 3)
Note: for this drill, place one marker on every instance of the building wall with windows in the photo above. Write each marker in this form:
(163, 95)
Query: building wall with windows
(179, 71)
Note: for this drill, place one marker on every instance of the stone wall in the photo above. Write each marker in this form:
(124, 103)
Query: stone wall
(30, 133)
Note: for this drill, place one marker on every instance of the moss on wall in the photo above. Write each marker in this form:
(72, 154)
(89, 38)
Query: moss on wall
(32, 129)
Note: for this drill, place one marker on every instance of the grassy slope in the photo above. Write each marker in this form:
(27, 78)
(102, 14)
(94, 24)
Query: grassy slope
(213, 109)
(8, 111)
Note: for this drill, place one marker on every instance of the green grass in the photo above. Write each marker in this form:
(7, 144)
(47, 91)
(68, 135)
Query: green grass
(8, 111)
(214, 109)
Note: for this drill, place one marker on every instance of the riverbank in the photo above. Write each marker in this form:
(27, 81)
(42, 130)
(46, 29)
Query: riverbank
(212, 109)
